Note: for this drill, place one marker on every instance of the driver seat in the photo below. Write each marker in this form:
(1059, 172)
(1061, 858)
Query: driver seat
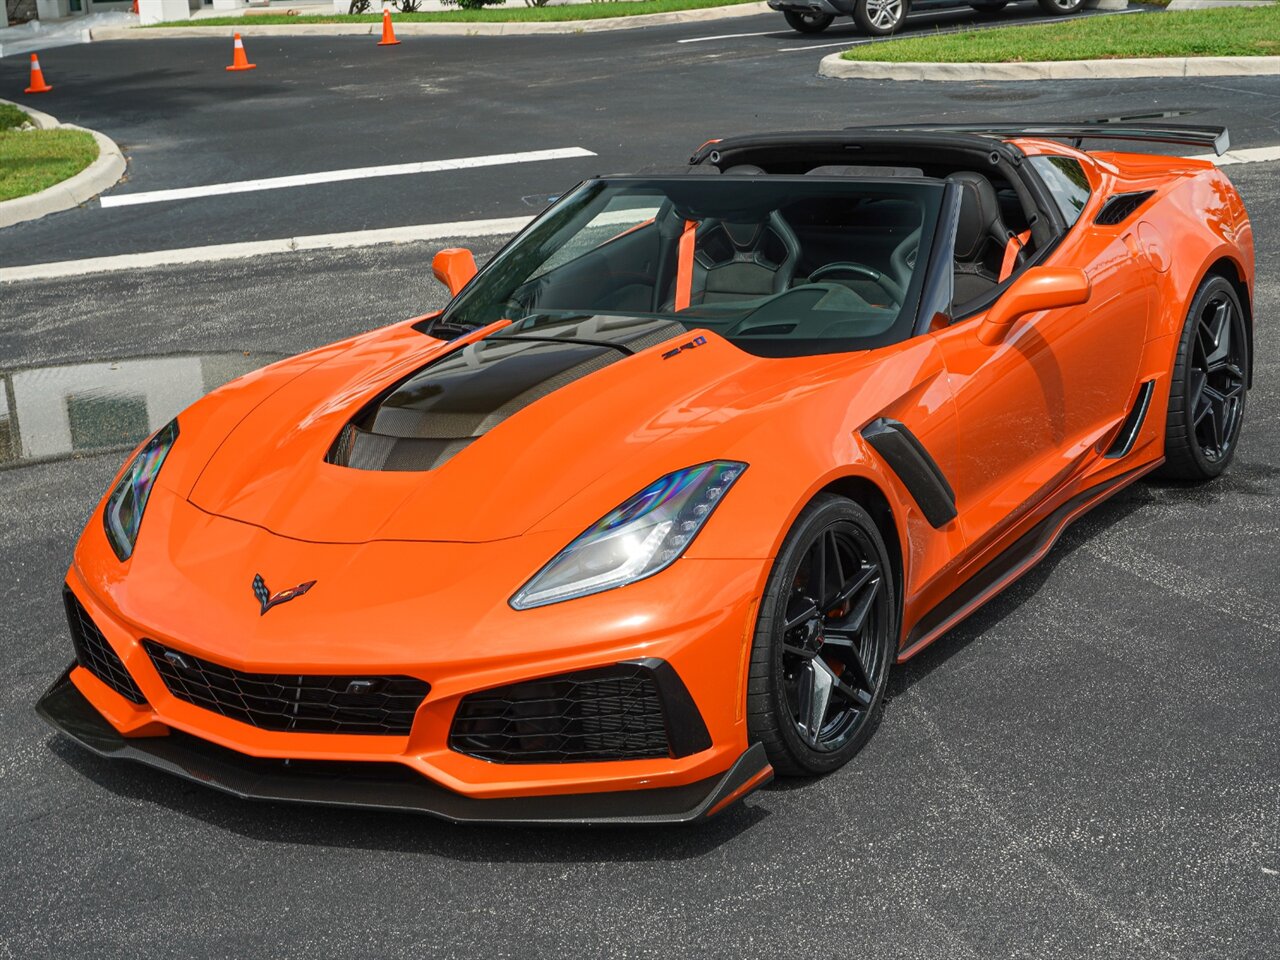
(743, 261)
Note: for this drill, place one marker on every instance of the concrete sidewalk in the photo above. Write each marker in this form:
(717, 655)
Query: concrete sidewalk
(36, 35)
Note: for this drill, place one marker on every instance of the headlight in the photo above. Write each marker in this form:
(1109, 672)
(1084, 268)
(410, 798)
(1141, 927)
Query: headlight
(645, 534)
(123, 513)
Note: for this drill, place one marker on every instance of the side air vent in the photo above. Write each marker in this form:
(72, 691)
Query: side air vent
(628, 711)
(1120, 207)
(94, 653)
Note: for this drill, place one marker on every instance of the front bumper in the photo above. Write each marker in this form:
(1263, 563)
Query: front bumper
(389, 786)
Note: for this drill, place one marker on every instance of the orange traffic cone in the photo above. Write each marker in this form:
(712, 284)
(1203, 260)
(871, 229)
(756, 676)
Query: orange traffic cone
(388, 34)
(238, 59)
(37, 78)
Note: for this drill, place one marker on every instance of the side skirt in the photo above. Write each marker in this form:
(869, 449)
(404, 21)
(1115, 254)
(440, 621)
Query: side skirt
(1003, 570)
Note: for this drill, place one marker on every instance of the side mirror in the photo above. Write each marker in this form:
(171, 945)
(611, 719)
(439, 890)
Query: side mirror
(454, 268)
(1040, 288)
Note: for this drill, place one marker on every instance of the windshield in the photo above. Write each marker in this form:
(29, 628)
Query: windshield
(780, 266)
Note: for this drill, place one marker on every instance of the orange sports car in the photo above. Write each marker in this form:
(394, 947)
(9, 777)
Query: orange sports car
(650, 510)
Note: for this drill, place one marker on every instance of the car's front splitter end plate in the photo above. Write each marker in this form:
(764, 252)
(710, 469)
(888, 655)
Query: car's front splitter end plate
(390, 786)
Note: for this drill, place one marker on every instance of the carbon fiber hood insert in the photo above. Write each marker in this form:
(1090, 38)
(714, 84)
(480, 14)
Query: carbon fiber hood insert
(429, 416)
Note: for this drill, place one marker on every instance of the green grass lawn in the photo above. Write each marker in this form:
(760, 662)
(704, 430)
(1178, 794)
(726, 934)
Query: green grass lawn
(509, 13)
(31, 160)
(1226, 32)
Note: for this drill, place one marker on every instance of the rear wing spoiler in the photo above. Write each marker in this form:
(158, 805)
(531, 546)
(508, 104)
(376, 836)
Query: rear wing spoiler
(1134, 128)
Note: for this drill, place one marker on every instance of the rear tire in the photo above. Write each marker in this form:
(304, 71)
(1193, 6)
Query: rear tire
(1061, 8)
(880, 18)
(1208, 390)
(825, 640)
(807, 22)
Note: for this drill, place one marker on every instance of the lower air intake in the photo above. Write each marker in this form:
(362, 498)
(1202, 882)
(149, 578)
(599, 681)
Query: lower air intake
(628, 711)
(94, 653)
(292, 702)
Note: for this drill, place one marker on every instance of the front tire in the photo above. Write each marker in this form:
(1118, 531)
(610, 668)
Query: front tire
(1061, 7)
(880, 18)
(1207, 394)
(807, 22)
(825, 640)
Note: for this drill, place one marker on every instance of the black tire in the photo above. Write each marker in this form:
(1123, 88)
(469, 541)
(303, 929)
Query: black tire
(1061, 8)
(880, 18)
(1208, 391)
(849, 648)
(808, 22)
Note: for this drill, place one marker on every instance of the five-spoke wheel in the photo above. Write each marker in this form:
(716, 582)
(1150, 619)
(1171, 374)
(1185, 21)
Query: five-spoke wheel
(824, 641)
(1210, 378)
(879, 17)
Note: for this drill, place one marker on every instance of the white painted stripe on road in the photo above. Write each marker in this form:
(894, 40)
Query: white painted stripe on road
(254, 248)
(335, 176)
(1253, 155)
(730, 36)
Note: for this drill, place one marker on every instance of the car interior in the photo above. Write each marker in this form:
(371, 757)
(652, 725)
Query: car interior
(801, 264)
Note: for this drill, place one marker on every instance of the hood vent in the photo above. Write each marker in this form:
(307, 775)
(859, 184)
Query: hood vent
(437, 411)
(1120, 207)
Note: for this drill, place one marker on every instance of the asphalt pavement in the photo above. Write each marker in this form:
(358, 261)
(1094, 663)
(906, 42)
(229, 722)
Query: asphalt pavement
(1088, 767)
(634, 98)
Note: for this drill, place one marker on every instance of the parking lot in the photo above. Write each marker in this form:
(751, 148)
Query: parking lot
(1090, 766)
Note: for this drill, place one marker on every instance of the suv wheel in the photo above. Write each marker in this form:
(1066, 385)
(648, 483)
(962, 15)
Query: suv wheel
(1061, 6)
(879, 18)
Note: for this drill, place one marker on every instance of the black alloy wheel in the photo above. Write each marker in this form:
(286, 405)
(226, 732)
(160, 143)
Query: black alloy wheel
(824, 642)
(807, 22)
(1207, 395)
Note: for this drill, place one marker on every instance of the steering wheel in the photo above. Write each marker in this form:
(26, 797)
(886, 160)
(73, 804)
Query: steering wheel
(862, 272)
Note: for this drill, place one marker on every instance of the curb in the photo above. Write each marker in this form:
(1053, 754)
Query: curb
(834, 65)
(98, 176)
(419, 29)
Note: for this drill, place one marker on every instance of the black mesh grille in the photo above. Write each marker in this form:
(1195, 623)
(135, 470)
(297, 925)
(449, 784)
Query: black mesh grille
(614, 713)
(301, 704)
(95, 654)
(1118, 208)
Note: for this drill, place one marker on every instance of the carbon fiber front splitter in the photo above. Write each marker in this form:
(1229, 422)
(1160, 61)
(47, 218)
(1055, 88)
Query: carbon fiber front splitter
(390, 786)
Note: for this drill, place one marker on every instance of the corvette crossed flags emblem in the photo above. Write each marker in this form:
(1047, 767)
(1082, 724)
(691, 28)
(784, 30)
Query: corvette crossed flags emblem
(267, 599)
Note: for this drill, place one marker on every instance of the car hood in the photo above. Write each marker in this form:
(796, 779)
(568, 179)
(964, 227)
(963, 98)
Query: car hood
(479, 440)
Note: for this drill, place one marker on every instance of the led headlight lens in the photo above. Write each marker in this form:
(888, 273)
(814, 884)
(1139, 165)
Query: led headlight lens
(123, 513)
(645, 534)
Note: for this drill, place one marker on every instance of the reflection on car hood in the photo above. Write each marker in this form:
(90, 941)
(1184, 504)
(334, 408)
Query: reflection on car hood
(539, 426)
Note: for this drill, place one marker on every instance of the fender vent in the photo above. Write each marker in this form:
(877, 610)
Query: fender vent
(1120, 207)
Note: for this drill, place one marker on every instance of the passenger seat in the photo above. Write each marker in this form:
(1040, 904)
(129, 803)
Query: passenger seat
(981, 238)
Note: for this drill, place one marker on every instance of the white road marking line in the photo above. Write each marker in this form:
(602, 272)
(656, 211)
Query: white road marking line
(334, 176)
(254, 248)
(1252, 155)
(730, 36)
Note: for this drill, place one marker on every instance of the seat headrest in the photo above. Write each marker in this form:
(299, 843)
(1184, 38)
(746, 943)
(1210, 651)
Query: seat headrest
(744, 170)
(871, 172)
(979, 213)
